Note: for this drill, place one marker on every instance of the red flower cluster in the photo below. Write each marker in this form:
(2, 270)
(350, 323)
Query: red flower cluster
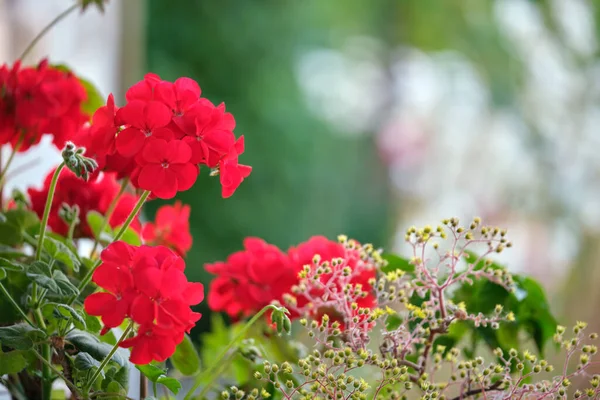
(147, 285)
(39, 100)
(171, 228)
(88, 196)
(161, 136)
(261, 274)
(250, 279)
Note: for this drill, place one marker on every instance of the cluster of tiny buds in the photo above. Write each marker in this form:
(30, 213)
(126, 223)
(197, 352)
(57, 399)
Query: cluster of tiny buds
(495, 237)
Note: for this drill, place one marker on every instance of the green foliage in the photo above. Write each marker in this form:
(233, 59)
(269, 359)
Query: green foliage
(12, 362)
(96, 221)
(15, 225)
(528, 303)
(158, 375)
(186, 359)
(59, 251)
(20, 336)
(396, 263)
(88, 343)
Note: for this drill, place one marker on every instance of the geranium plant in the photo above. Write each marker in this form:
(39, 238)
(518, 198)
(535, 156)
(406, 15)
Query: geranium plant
(366, 324)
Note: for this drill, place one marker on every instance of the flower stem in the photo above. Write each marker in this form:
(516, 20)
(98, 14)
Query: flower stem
(88, 277)
(43, 226)
(46, 355)
(55, 21)
(209, 374)
(107, 358)
(109, 212)
(58, 373)
(15, 305)
(13, 152)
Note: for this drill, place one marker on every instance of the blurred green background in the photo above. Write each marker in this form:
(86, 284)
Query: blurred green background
(365, 117)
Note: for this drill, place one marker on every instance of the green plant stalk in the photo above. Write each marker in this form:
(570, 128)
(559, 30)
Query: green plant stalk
(210, 372)
(106, 360)
(10, 160)
(109, 212)
(46, 354)
(88, 277)
(46, 215)
(47, 28)
(58, 373)
(16, 305)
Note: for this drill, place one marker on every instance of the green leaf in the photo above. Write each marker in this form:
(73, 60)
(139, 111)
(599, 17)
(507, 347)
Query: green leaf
(20, 336)
(122, 377)
(115, 387)
(393, 322)
(95, 220)
(61, 252)
(88, 343)
(155, 374)
(395, 263)
(65, 287)
(93, 323)
(41, 274)
(70, 312)
(10, 265)
(186, 358)
(14, 224)
(130, 236)
(94, 99)
(83, 362)
(12, 362)
(10, 252)
(2, 274)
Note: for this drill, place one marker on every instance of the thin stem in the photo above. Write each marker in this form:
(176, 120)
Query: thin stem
(15, 305)
(72, 226)
(88, 277)
(108, 358)
(109, 212)
(13, 152)
(40, 35)
(46, 355)
(58, 373)
(210, 372)
(44, 224)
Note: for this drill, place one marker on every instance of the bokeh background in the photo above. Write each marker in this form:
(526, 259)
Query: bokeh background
(366, 117)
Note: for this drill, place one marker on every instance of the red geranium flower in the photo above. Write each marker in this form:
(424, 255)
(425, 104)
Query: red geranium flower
(39, 100)
(144, 120)
(146, 284)
(171, 228)
(250, 279)
(231, 173)
(165, 168)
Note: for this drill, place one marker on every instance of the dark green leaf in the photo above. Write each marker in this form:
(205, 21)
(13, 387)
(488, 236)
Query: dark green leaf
(155, 374)
(88, 343)
(12, 362)
(20, 336)
(186, 358)
(65, 287)
(395, 263)
(69, 312)
(84, 361)
(41, 274)
(61, 252)
(122, 377)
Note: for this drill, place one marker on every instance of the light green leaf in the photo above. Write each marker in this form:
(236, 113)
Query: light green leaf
(70, 312)
(12, 362)
(186, 358)
(155, 374)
